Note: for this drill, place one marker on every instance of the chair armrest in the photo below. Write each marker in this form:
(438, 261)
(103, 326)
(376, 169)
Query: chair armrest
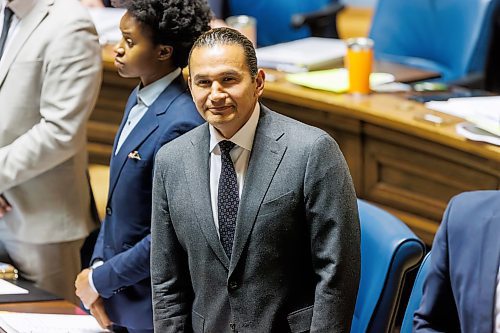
(473, 80)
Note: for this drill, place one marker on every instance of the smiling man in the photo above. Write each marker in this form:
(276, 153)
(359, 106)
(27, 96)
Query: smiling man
(255, 225)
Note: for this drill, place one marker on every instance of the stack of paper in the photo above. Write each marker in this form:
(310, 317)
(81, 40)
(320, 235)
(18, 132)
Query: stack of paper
(301, 55)
(483, 112)
(15, 322)
(472, 132)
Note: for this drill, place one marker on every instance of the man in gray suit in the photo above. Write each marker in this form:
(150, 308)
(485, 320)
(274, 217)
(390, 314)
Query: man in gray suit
(255, 225)
(50, 74)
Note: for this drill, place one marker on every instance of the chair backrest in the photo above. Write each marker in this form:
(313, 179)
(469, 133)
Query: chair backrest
(416, 295)
(274, 17)
(448, 36)
(492, 72)
(389, 251)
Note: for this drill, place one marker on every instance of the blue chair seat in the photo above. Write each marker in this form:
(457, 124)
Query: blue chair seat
(389, 251)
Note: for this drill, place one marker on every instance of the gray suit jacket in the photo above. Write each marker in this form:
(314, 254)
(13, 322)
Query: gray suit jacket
(49, 81)
(296, 254)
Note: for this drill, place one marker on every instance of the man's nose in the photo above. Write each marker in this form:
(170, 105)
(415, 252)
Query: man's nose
(217, 92)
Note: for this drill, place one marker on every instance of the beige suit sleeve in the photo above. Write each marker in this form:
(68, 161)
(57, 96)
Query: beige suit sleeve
(71, 77)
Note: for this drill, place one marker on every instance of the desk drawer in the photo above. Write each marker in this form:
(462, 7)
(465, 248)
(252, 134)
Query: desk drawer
(419, 176)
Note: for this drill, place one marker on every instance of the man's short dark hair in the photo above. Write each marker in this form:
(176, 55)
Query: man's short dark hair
(177, 23)
(228, 36)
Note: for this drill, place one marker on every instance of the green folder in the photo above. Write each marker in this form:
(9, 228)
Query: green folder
(335, 80)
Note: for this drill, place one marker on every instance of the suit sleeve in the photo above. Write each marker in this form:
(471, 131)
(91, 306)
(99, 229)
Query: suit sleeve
(172, 294)
(125, 269)
(332, 215)
(437, 311)
(71, 80)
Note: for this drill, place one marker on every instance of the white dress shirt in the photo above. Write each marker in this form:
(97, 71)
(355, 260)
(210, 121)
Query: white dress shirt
(145, 97)
(240, 155)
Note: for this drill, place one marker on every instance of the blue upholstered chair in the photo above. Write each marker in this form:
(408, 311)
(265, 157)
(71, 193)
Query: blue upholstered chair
(416, 295)
(274, 17)
(447, 36)
(389, 250)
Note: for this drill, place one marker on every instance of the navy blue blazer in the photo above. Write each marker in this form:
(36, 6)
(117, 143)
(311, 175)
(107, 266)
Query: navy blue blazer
(459, 292)
(124, 240)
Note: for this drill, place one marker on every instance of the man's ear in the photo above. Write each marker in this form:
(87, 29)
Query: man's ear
(165, 52)
(259, 80)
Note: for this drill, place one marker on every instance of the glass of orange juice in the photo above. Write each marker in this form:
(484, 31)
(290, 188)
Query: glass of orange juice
(359, 62)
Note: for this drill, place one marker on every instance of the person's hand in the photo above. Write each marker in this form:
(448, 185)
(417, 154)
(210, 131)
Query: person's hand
(4, 206)
(99, 313)
(83, 289)
(92, 3)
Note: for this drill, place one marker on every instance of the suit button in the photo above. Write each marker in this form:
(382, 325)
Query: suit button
(232, 326)
(108, 211)
(233, 285)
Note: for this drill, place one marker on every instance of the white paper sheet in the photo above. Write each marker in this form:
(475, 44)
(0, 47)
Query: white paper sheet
(7, 288)
(474, 133)
(303, 54)
(16, 322)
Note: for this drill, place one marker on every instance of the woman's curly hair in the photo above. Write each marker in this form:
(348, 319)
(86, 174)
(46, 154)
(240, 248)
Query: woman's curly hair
(177, 23)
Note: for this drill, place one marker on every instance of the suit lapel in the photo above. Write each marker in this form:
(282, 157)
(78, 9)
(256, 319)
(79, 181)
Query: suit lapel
(198, 180)
(26, 28)
(146, 126)
(488, 270)
(266, 156)
(116, 163)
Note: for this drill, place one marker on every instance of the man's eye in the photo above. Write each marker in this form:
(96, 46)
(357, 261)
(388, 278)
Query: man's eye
(229, 79)
(202, 83)
(129, 42)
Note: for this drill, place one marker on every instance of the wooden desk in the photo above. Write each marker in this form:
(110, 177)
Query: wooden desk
(57, 307)
(407, 165)
(404, 164)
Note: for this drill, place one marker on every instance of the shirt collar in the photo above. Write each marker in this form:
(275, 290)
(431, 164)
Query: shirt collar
(150, 93)
(243, 138)
(21, 8)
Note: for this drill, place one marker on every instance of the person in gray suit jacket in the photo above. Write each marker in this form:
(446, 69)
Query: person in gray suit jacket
(50, 74)
(254, 224)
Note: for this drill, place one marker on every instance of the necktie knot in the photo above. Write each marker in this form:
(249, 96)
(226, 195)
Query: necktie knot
(226, 146)
(7, 12)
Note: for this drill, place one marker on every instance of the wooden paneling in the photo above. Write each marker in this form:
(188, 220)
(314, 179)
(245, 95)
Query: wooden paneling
(354, 22)
(419, 176)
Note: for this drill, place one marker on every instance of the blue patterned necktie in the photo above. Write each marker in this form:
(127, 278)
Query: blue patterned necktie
(228, 198)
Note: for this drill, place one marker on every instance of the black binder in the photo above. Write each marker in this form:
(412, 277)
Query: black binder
(35, 294)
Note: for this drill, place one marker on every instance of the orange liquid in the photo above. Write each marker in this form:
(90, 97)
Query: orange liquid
(359, 65)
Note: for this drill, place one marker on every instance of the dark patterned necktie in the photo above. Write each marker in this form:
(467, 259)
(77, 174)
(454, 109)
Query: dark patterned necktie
(228, 198)
(7, 18)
